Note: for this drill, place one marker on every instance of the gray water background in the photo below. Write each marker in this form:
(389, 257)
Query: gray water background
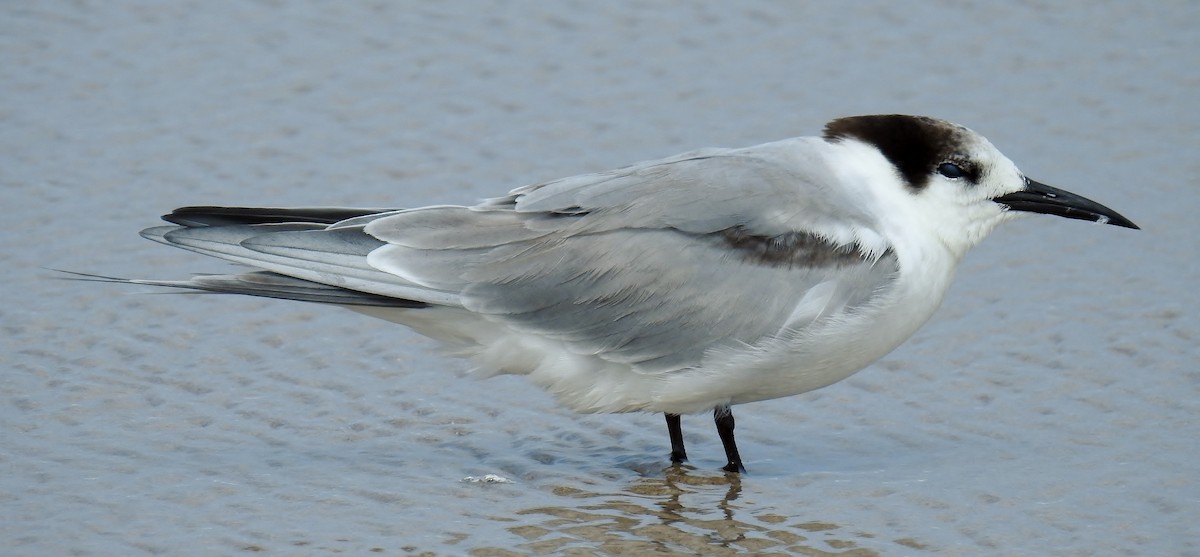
(1050, 408)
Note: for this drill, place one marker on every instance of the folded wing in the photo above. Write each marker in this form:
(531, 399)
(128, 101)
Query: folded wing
(652, 265)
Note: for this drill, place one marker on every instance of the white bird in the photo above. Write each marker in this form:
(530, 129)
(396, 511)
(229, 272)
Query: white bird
(690, 283)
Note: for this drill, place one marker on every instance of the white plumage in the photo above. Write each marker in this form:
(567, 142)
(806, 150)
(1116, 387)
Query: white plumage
(694, 282)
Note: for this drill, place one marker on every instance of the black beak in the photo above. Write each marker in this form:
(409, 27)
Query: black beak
(1040, 198)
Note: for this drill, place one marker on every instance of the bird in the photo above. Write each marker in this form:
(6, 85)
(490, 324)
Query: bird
(687, 284)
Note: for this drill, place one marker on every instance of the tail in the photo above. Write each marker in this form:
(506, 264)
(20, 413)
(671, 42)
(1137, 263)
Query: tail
(309, 254)
(264, 284)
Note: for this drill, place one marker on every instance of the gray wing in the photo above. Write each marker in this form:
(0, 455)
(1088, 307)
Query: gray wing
(652, 265)
(772, 189)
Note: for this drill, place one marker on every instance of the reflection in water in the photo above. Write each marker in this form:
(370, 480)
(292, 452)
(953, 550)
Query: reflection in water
(683, 513)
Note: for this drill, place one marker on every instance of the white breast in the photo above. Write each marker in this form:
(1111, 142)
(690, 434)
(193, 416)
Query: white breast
(828, 351)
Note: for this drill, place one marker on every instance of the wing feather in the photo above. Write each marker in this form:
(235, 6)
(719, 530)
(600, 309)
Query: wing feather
(225, 216)
(333, 256)
(656, 299)
(654, 265)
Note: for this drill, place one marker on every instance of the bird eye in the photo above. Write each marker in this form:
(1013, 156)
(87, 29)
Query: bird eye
(951, 170)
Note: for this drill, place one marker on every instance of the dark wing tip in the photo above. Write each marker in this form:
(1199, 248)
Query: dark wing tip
(204, 215)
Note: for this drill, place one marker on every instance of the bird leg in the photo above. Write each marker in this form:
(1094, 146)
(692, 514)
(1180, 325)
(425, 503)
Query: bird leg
(723, 417)
(678, 453)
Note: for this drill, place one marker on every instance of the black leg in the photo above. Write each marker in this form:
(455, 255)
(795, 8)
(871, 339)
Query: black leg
(723, 416)
(678, 453)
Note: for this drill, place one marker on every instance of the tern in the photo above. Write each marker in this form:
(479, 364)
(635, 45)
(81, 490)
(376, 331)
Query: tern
(691, 283)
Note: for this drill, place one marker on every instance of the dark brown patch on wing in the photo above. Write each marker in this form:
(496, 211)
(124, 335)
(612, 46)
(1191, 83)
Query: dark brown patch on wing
(915, 145)
(790, 250)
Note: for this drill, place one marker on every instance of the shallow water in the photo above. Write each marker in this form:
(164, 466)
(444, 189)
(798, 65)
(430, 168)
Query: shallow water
(1050, 407)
